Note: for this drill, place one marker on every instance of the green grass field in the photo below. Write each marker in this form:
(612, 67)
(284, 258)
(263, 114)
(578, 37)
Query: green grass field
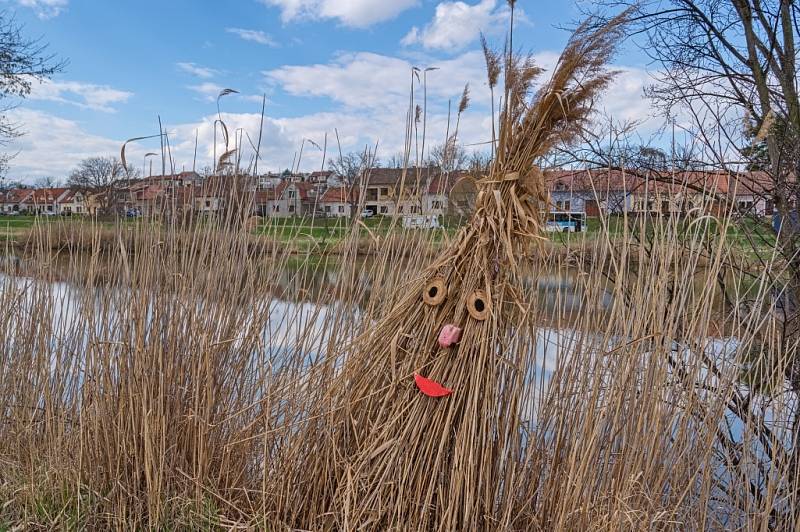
(307, 233)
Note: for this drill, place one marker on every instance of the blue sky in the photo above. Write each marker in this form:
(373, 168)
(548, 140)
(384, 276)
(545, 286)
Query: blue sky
(323, 64)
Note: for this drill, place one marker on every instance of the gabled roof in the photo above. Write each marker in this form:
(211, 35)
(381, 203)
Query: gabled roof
(304, 189)
(338, 195)
(394, 176)
(47, 195)
(69, 196)
(271, 193)
(604, 181)
(443, 183)
(17, 195)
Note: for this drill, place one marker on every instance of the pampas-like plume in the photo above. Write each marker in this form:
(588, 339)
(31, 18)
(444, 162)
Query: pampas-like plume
(492, 59)
(380, 454)
(464, 103)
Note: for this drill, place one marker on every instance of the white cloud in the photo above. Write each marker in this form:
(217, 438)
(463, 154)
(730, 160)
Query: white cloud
(45, 9)
(79, 94)
(354, 13)
(625, 101)
(368, 96)
(207, 91)
(52, 146)
(197, 70)
(255, 36)
(368, 80)
(457, 24)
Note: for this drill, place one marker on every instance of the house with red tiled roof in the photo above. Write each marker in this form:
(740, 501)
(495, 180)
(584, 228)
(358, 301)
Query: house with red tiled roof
(289, 198)
(679, 193)
(405, 191)
(436, 197)
(336, 202)
(15, 201)
(328, 178)
(73, 202)
(46, 200)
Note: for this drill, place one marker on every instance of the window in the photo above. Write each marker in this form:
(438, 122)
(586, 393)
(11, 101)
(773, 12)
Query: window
(327, 208)
(290, 194)
(414, 209)
(291, 208)
(744, 205)
(208, 203)
(341, 208)
(563, 206)
(276, 208)
(384, 191)
(400, 208)
(436, 204)
(384, 210)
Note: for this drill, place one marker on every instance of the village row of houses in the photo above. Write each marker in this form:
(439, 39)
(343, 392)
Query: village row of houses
(392, 192)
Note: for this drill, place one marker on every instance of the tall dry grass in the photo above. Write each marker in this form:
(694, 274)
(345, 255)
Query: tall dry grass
(193, 383)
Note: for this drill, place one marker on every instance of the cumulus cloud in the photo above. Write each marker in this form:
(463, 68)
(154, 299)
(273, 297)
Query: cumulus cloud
(354, 13)
(197, 70)
(457, 24)
(255, 36)
(367, 104)
(368, 80)
(83, 95)
(52, 146)
(45, 9)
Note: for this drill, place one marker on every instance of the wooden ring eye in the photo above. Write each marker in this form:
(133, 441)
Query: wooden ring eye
(435, 292)
(478, 305)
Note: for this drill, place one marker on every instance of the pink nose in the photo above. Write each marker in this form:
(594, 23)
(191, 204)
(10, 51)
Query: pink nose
(449, 335)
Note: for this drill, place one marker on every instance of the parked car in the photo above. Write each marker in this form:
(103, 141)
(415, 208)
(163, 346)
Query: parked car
(367, 213)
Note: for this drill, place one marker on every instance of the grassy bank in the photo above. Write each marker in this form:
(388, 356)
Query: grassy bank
(303, 235)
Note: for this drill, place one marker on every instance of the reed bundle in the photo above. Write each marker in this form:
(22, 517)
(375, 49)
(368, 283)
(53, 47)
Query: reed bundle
(387, 455)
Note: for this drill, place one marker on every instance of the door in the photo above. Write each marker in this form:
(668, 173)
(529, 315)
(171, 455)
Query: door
(592, 208)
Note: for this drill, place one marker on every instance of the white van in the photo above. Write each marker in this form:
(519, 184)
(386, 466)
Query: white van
(421, 221)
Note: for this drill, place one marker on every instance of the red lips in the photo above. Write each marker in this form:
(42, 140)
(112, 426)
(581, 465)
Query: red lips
(431, 388)
(448, 336)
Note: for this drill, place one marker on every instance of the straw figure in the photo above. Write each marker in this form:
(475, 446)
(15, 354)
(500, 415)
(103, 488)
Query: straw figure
(424, 423)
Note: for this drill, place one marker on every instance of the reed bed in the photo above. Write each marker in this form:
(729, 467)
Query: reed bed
(193, 383)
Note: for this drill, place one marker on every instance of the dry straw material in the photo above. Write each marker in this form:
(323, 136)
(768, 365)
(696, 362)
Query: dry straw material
(390, 457)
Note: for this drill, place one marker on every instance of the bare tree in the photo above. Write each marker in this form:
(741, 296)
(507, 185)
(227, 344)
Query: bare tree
(23, 62)
(730, 66)
(102, 176)
(397, 160)
(350, 168)
(448, 158)
(47, 182)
